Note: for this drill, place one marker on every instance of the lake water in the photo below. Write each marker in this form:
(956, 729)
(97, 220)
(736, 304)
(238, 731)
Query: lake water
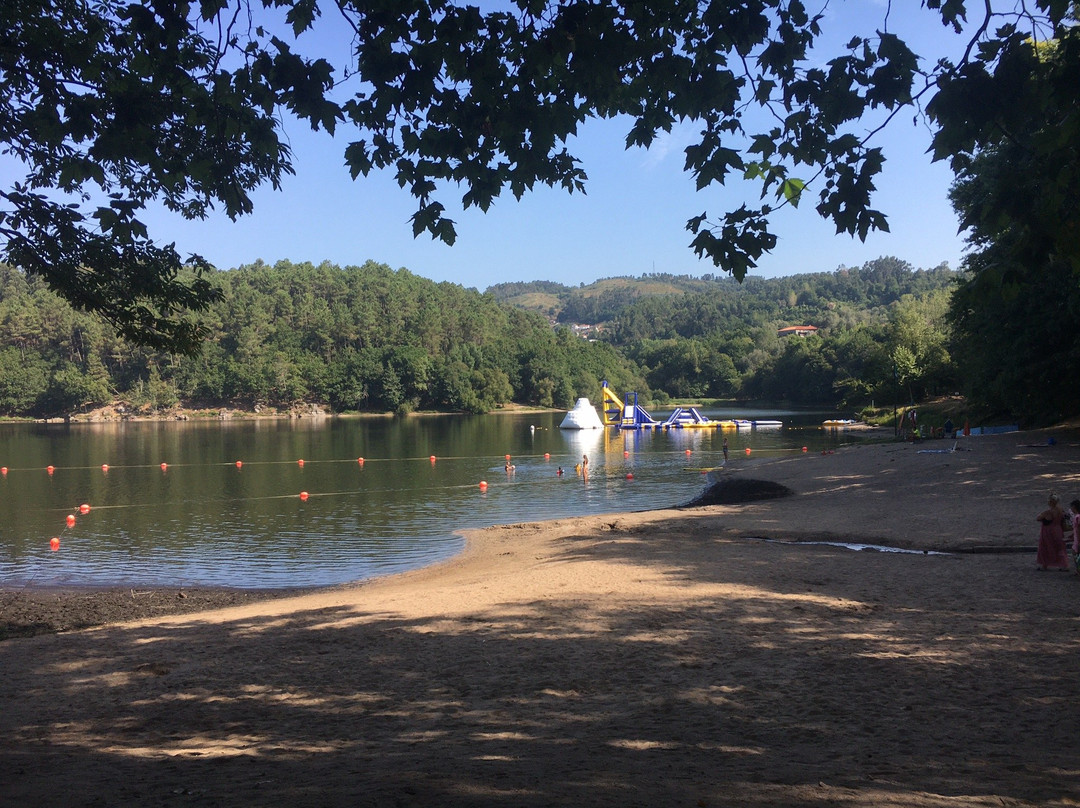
(205, 520)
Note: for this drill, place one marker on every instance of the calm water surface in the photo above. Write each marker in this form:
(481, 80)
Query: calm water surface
(205, 521)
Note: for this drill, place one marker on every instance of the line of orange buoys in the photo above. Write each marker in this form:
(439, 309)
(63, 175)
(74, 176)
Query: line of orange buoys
(70, 520)
(360, 461)
(105, 467)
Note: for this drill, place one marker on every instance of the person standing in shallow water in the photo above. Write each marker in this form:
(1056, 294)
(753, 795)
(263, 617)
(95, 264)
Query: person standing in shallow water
(1051, 551)
(725, 449)
(585, 466)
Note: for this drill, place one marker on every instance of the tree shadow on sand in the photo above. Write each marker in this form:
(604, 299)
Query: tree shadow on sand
(825, 689)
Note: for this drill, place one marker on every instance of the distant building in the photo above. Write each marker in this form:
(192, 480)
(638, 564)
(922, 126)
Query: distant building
(797, 331)
(586, 331)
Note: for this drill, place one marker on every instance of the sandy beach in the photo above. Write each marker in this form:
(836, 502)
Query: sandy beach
(712, 656)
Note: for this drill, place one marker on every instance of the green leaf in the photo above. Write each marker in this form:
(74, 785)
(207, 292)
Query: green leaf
(792, 189)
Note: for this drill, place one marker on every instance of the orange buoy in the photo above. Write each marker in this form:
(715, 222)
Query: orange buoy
(432, 458)
(804, 448)
(3, 470)
(547, 456)
(303, 496)
(300, 463)
(239, 464)
(625, 453)
(105, 467)
(70, 520)
(629, 475)
(164, 466)
(54, 543)
(360, 460)
(508, 457)
(747, 451)
(50, 469)
(84, 509)
(688, 452)
(483, 485)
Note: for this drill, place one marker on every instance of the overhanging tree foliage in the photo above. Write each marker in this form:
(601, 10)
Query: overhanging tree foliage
(114, 104)
(1017, 312)
(1012, 135)
(109, 105)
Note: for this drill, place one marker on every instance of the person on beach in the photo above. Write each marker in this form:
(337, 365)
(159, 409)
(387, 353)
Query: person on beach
(1051, 551)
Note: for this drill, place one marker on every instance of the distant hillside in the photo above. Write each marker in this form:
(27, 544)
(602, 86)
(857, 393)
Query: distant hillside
(811, 297)
(599, 301)
(878, 332)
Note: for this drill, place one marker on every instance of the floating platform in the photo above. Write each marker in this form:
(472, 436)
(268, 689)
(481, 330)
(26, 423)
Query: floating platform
(688, 418)
(631, 415)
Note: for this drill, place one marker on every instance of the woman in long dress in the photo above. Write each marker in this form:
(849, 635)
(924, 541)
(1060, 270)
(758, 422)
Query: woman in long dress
(1052, 536)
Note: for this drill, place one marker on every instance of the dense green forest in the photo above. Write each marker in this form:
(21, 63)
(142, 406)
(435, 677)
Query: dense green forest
(882, 332)
(369, 338)
(356, 338)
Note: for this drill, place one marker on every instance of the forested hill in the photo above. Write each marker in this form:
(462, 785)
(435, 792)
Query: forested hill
(369, 338)
(355, 338)
(882, 331)
(875, 285)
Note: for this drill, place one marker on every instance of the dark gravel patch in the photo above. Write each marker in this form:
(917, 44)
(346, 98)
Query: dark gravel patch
(31, 611)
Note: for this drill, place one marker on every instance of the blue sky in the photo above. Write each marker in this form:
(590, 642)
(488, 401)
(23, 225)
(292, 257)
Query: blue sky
(631, 221)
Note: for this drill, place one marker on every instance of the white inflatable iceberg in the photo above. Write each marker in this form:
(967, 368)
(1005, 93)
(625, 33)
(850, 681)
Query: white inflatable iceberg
(583, 416)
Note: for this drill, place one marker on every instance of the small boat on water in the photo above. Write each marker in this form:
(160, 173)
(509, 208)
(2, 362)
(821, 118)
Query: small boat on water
(839, 422)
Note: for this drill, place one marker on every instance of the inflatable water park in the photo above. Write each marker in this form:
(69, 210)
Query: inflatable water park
(629, 414)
